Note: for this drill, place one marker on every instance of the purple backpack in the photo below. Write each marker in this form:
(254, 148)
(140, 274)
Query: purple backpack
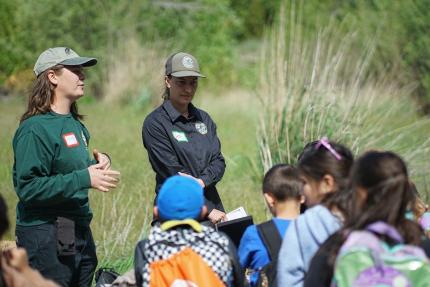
(425, 221)
(365, 260)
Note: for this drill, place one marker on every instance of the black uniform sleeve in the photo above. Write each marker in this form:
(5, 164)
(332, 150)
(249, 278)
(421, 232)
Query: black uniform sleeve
(215, 170)
(209, 205)
(161, 155)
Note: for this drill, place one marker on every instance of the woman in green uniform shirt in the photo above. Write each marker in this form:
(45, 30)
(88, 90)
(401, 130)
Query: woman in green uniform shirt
(53, 171)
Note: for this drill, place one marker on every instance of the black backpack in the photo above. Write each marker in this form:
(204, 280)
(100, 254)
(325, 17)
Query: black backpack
(272, 240)
(105, 277)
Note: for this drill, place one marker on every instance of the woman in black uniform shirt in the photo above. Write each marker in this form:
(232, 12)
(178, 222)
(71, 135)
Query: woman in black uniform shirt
(180, 138)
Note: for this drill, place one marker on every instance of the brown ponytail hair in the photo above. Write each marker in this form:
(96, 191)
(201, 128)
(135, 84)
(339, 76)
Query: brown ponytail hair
(42, 96)
(384, 176)
(166, 94)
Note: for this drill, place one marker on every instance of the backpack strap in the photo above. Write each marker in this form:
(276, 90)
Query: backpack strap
(271, 238)
(383, 228)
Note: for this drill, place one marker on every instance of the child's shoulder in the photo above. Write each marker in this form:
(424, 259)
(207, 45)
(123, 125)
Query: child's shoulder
(281, 220)
(249, 239)
(317, 215)
(316, 211)
(250, 231)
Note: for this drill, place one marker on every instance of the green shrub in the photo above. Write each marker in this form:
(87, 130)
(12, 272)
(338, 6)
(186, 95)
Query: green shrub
(415, 45)
(204, 28)
(316, 86)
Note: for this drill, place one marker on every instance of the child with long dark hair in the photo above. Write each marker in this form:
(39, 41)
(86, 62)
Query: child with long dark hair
(380, 193)
(324, 167)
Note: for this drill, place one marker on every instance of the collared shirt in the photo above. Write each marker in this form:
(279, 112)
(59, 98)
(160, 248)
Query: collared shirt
(189, 145)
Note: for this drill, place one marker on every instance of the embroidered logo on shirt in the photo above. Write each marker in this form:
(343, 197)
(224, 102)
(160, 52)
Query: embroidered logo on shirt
(179, 136)
(70, 140)
(201, 128)
(84, 139)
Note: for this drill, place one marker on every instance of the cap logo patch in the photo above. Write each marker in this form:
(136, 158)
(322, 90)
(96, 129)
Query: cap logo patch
(201, 128)
(67, 51)
(188, 62)
(70, 140)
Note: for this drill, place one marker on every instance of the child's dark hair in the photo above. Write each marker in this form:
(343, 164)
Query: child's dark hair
(317, 160)
(384, 176)
(4, 222)
(283, 182)
(418, 206)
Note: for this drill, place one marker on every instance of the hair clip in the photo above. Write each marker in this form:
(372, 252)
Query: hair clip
(324, 142)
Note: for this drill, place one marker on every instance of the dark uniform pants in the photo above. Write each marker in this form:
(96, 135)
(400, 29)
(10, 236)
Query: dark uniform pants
(40, 242)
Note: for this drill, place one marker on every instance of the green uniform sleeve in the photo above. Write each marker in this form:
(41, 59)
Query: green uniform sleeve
(35, 185)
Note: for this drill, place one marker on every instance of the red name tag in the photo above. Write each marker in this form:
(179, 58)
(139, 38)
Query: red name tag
(70, 140)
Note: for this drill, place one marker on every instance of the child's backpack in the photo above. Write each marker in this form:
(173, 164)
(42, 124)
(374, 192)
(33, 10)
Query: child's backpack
(272, 240)
(105, 277)
(424, 221)
(183, 269)
(365, 260)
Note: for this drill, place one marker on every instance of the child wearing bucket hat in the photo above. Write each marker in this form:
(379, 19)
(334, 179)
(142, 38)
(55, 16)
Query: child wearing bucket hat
(53, 172)
(182, 139)
(180, 241)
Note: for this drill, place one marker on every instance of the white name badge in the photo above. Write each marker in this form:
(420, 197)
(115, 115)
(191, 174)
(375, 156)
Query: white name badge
(70, 140)
(179, 136)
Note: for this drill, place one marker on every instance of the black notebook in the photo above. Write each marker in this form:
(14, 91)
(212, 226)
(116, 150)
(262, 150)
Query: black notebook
(235, 228)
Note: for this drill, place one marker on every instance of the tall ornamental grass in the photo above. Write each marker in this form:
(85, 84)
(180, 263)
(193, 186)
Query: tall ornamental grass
(321, 86)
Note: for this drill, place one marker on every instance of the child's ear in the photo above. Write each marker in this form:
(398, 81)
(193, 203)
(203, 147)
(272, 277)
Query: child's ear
(328, 184)
(203, 212)
(270, 199)
(302, 199)
(155, 210)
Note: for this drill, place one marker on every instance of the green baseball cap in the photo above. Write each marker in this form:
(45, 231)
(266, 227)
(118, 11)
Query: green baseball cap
(182, 65)
(60, 56)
